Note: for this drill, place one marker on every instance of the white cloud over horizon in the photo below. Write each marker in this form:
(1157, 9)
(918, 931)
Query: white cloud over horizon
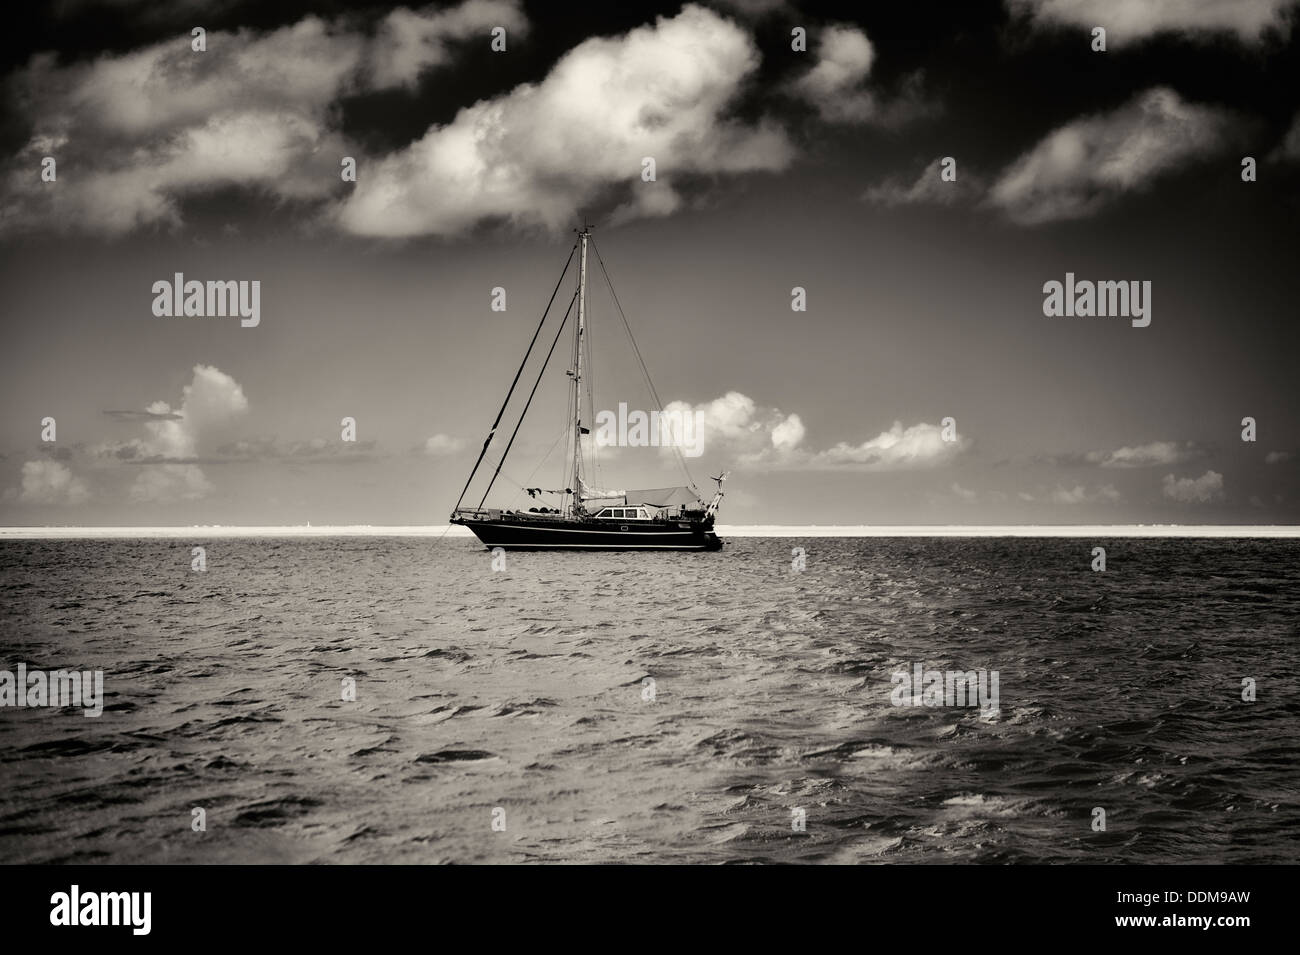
(1202, 490)
(165, 483)
(48, 482)
(1154, 454)
(1079, 494)
(209, 404)
(440, 444)
(768, 439)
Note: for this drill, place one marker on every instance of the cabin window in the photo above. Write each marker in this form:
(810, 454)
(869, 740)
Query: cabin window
(624, 513)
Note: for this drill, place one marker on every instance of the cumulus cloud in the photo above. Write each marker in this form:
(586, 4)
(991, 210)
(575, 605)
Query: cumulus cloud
(1155, 454)
(787, 434)
(1279, 457)
(163, 483)
(1087, 163)
(736, 425)
(737, 429)
(173, 439)
(209, 403)
(51, 482)
(1202, 490)
(899, 448)
(835, 85)
(408, 42)
(534, 155)
(144, 130)
(1106, 494)
(1126, 20)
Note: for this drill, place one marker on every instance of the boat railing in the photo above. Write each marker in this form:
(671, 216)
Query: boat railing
(476, 514)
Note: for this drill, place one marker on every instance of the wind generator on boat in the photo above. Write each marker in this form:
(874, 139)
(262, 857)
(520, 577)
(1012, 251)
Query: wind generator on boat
(588, 518)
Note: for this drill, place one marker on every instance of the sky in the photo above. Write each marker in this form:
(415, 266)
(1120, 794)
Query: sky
(924, 381)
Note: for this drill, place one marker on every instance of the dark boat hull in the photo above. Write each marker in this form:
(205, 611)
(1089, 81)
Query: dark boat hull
(526, 534)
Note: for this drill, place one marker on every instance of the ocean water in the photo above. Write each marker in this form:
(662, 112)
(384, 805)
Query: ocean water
(519, 696)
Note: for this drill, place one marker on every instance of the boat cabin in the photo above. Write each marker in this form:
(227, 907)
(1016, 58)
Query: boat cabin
(623, 514)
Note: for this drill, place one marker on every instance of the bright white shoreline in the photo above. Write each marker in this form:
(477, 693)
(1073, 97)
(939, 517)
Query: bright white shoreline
(724, 531)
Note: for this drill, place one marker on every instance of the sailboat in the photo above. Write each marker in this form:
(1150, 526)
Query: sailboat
(587, 517)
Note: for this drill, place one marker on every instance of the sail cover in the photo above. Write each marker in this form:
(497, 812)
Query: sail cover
(662, 496)
(650, 496)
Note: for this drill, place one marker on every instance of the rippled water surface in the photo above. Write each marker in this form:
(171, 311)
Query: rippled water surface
(523, 689)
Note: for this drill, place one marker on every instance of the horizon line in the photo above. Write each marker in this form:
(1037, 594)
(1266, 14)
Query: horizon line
(70, 532)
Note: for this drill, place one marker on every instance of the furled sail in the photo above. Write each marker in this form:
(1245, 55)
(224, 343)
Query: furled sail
(589, 493)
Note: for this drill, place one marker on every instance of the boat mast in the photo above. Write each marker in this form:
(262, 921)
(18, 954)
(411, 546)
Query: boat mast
(577, 373)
